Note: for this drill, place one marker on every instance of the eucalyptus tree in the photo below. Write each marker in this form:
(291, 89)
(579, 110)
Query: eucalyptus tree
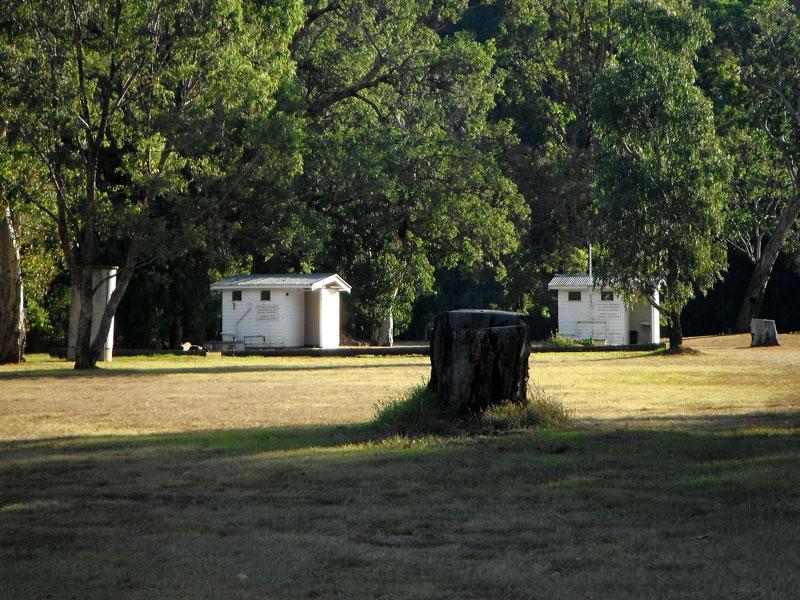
(12, 312)
(771, 69)
(12, 317)
(127, 106)
(29, 254)
(761, 194)
(659, 172)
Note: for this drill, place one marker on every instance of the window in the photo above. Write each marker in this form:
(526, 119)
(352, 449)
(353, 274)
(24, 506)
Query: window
(574, 296)
(236, 296)
(265, 295)
(607, 296)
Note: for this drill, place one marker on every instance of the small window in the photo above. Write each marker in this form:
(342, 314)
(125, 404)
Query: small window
(236, 296)
(574, 296)
(607, 296)
(265, 296)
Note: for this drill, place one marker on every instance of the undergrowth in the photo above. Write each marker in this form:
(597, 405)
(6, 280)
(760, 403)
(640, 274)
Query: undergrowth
(419, 412)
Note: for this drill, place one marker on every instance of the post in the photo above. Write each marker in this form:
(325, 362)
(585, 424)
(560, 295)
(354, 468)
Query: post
(104, 281)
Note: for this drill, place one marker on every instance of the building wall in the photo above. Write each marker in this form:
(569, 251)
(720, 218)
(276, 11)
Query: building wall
(592, 317)
(642, 321)
(312, 318)
(281, 320)
(328, 318)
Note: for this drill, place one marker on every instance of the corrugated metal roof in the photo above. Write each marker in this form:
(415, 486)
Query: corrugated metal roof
(283, 280)
(561, 281)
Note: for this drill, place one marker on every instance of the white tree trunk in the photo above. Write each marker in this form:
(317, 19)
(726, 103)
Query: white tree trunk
(12, 315)
(383, 334)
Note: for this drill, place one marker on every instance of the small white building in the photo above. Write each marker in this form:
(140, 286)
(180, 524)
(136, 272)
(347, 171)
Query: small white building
(585, 311)
(275, 311)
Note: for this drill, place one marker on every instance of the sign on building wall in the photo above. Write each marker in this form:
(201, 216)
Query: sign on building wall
(608, 310)
(268, 312)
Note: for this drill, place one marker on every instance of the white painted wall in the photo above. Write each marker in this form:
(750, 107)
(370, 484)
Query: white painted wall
(593, 317)
(281, 320)
(610, 320)
(328, 318)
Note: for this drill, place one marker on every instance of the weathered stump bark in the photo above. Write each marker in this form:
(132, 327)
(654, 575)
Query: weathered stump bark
(479, 358)
(763, 333)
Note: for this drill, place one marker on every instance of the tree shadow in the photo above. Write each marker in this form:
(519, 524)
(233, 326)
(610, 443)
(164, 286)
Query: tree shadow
(332, 511)
(145, 371)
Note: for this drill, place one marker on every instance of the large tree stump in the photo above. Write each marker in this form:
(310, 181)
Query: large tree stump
(763, 333)
(479, 358)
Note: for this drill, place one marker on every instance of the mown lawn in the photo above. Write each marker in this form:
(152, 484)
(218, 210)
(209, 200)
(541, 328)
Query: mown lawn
(256, 478)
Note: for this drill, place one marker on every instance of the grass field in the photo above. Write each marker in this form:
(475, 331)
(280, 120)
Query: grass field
(258, 478)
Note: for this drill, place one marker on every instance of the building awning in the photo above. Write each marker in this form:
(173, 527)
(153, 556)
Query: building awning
(303, 281)
(570, 282)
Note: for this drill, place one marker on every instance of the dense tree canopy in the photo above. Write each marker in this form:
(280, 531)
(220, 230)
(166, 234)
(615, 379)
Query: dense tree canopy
(436, 154)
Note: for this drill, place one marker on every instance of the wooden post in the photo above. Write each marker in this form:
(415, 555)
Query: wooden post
(479, 358)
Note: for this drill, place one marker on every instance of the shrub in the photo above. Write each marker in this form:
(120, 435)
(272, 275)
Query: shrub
(560, 340)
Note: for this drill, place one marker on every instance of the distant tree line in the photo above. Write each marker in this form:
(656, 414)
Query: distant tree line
(436, 154)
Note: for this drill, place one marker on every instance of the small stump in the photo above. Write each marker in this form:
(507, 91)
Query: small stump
(763, 333)
(479, 358)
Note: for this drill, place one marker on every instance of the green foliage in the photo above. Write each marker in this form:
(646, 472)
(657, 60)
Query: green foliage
(401, 168)
(562, 341)
(552, 53)
(659, 172)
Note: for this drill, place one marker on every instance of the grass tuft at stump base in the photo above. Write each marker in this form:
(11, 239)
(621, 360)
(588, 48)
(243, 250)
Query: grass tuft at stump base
(419, 412)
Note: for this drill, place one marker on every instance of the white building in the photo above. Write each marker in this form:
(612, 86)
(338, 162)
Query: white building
(274, 311)
(585, 311)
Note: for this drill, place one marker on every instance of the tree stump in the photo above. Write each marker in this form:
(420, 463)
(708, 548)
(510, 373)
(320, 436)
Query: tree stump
(479, 358)
(763, 333)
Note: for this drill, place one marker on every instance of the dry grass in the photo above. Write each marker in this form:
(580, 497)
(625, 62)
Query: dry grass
(727, 381)
(46, 398)
(283, 495)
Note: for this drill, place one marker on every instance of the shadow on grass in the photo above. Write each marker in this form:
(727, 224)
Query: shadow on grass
(208, 370)
(306, 437)
(343, 512)
(630, 356)
(254, 440)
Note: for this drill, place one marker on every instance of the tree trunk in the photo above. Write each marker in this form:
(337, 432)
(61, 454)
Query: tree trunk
(675, 332)
(87, 349)
(12, 315)
(757, 286)
(479, 358)
(383, 334)
(82, 281)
